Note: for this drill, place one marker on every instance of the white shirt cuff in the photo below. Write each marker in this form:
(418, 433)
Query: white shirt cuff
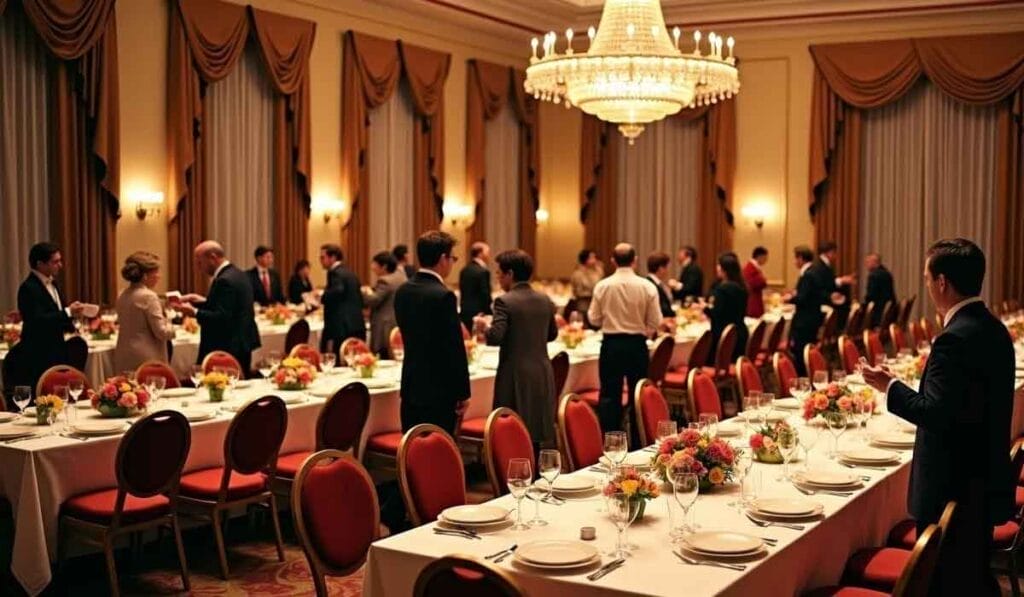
(889, 387)
(67, 311)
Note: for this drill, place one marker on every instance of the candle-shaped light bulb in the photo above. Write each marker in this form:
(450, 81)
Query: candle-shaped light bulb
(696, 42)
(568, 35)
(675, 34)
(730, 42)
(711, 42)
(533, 45)
(591, 32)
(630, 30)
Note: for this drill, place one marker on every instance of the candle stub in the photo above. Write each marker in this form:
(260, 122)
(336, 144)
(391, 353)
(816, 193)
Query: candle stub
(588, 533)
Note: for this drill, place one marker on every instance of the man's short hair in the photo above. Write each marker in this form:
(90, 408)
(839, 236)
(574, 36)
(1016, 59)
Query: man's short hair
(433, 244)
(690, 251)
(960, 261)
(657, 260)
(41, 253)
(261, 251)
(759, 251)
(333, 250)
(624, 257)
(804, 253)
(386, 260)
(476, 249)
(516, 261)
(827, 246)
(583, 256)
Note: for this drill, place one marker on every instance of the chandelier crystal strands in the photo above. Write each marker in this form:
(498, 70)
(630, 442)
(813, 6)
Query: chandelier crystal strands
(633, 73)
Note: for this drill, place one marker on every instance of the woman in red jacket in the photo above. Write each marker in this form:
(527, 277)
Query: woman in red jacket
(756, 282)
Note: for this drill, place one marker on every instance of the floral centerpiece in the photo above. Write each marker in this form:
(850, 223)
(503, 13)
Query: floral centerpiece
(119, 397)
(638, 488)
(572, 335)
(102, 329)
(365, 363)
(1016, 328)
(836, 398)
(293, 374)
(47, 406)
(277, 314)
(689, 315)
(216, 383)
(764, 442)
(11, 335)
(712, 459)
(190, 325)
(470, 349)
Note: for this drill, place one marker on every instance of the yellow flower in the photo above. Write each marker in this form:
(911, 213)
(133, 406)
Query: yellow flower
(702, 444)
(716, 476)
(629, 486)
(51, 400)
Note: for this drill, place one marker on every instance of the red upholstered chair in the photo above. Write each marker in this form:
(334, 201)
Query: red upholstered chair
(219, 359)
(560, 368)
(430, 473)
(755, 340)
(505, 437)
(855, 321)
(918, 334)
(661, 356)
(592, 396)
(873, 347)
(703, 395)
(776, 337)
(338, 427)
(651, 407)
(336, 516)
(148, 467)
(78, 352)
(453, 576)
(829, 331)
(870, 315)
(59, 375)
(298, 333)
(723, 355)
(849, 355)
(250, 455)
(814, 360)
(560, 321)
(307, 353)
(676, 379)
(898, 338)
(353, 346)
(579, 432)
(906, 308)
(747, 377)
(157, 369)
(785, 371)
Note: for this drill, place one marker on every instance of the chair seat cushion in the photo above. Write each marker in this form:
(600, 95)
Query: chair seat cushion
(473, 427)
(844, 592)
(98, 507)
(1004, 534)
(876, 568)
(385, 443)
(1020, 497)
(676, 379)
(288, 464)
(591, 397)
(903, 535)
(205, 484)
(720, 373)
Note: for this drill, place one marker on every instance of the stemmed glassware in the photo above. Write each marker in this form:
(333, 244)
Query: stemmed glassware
(685, 487)
(616, 446)
(799, 388)
(788, 442)
(196, 375)
(155, 385)
(709, 424)
(809, 437)
(22, 396)
(623, 512)
(751, 409)
(819, 380)
(549, 465)
(666, 429)
(765, 406)
(265, 368)
(327, 362)
(75, 389)
(740, 470)
(519, 479)
(838, 376)
(836, 422)
(70, 412)
(274, 358)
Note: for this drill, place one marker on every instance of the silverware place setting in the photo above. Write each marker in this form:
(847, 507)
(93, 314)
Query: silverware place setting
(696, 562)
(498, 554)
(456, 533)
(807, 491)
(606, 569)
(770, 523)
(870, 468)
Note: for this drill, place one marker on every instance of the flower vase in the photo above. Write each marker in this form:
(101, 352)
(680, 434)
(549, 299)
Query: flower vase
(705, 485)
(112, 411)
(367, 371)
(639, 506)
(216, 394)
(766, 456)
(43, 414)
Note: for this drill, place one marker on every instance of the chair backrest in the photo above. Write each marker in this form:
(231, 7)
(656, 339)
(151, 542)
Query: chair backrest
(701, 351)
(813, 360)
(726, 348)
(651, 407)
(899, 340)
(871, 315)
(775, 335)
(580, 432)
(905, 311)
(848, 353)
(458, 575)
(703, 394)
(335, 511)
(560, 321)
(916, 578)
(917, 333)
(353, 346)
(395, 339)
(59, 375)
(298, 333)
(855, 321)
(1017, 458)
(505, 437)
(14, 369)
(657, 367)
(157, 369)
(340, 422)
(307, 353)
(747, 376)
(756, 339)
(785, 371)
(430, 473)
(219, 359)
(873, 346)
(571, 305)
(560, 369)
(254, 437)
(929, 328)
(889, 315)
(152, 454)
(830, 327)
(77, 351)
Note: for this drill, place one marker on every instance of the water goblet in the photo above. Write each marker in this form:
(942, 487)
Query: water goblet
(519, 479)
(819, 380)
(616, 446)
(666, 429)
(788, 441)
(196, 375)
(740, 469)
(75, 389)
(836, 422)
(709, 423)
(765, 406)
(22, 396)
(327, 362)
(623, 511)
(838, 376)
(685, 487)
(265, 368)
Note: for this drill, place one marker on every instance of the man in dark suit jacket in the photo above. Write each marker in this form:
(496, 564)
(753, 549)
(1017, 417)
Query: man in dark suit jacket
(962, 410)
(657, 273)
(838, 289)
(808, 298)
(691, 278)
(475, 285)
(226, 317)
(880, 288)
(435, 373)
(401, 253)
(266, 282)
(45, 315)
(342, 301)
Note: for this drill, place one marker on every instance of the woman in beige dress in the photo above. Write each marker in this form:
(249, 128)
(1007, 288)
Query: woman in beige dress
(143, 329)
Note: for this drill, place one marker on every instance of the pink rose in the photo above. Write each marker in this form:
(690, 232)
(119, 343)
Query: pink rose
(109, 390)
(845, 403)
(820, 402)
(689, 437)
(128, 400)
(757, 441)
(834, 391)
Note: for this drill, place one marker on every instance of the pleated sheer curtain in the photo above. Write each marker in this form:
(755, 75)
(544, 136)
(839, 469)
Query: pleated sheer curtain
(928, 171)
(239, 153)
(25, 137)
(391, 159)
(659, 181)
(501, 171)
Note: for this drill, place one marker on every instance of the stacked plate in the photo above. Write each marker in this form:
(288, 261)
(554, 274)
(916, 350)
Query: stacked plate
(557, 555)
(786, 508)
(243, 383)
(727, 429)
(569, 486)
(178, 393)
(829, 479)
(13, 432)
(722, 544)
(869, 456)
(197, 413)
(99, 427)
(376, 383)
(6, 417)
(640, 460)
(323, 391)
(477, 517)
(756, 417)
(894, 439)
(292, 397)
(787, 403)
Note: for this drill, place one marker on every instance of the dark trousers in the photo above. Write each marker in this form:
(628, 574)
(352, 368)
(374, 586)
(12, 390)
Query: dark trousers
(964, 564)
(415, 414)
(798, 338)
(623, 357)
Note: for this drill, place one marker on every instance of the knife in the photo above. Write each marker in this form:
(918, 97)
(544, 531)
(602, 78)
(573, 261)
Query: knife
(606, 569)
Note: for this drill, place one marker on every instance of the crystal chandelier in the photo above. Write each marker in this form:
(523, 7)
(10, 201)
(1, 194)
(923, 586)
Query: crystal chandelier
(632, 73)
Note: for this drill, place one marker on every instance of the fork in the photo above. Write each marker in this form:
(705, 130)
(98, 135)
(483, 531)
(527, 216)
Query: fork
(456, 533)
(508, 553)
(822, 492)
(870, 468)
(766, 524)
(693, 562)
(502, 552)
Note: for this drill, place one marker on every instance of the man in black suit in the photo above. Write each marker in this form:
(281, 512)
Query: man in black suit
(401, 253)
(839, 289)
(475, 285)
(880, 288)
(810, 295)
(342, 300)
(435, 373)
(45, 315)
(226, 317)
(962, 410)
(657, 273)
(691, 278)
(266, 282)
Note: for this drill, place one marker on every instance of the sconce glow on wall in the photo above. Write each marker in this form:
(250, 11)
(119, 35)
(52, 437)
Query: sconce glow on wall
(328, 207)
(147, 203)
(456, 212)
(542, 216)
(757, 212)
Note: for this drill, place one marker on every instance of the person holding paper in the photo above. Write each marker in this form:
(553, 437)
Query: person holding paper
(143, 329)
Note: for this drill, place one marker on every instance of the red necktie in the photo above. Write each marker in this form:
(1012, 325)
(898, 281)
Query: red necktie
(266, 284)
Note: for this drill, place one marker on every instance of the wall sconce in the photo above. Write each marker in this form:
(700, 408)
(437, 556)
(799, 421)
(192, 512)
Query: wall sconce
(757, 213)
(328, 207)
(456, 212)
(542, 216)
(147, 203)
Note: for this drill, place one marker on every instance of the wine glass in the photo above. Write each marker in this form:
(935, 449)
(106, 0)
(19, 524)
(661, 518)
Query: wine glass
(70, 412)
(519, 479)
(327, 361)
(836, 422)
(666, 429)
(685, 487)
(788, 442)
(75, 389)
(820, 380)
(265, 368)
(751, 407)
(22, 396)
(550, 464)
(750, 488)
(274, 357)
(622, 511)
(741, 467)
(799, 387)
(709, 424)
(838, 376)
(809, 435)
(196, 375)
(616, 446)
(155, 385)
(766, 405)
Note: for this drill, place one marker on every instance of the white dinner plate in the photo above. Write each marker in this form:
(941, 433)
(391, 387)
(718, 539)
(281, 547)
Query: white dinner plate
(199, 414)
(786, 506)
(894, 438)
(592, 561)
(376, 383)
(323, 391)
(729, 429)
(99, 426)
(6, 417)
(474, 514)
(789, 403)
(178, 392)
(773, 416)
(557, 553)
(386, 363)
(11, 431)
(635, 459)
(243, 383)
(569, 483)
(868, 455)
(292, 397)
(827, 478)
(723, 542)
(83, 404)
(705, 555)
(769, 517)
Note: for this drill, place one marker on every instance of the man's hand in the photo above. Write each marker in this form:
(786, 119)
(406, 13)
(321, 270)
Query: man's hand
(76, 308)
(848, 280)
(186, 309)
(193, 298)
(838, 298)
(481, 322)
(674, 284)
(877, 377)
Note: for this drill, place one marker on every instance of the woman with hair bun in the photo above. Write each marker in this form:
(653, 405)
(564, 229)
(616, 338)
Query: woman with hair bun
(143, 329)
